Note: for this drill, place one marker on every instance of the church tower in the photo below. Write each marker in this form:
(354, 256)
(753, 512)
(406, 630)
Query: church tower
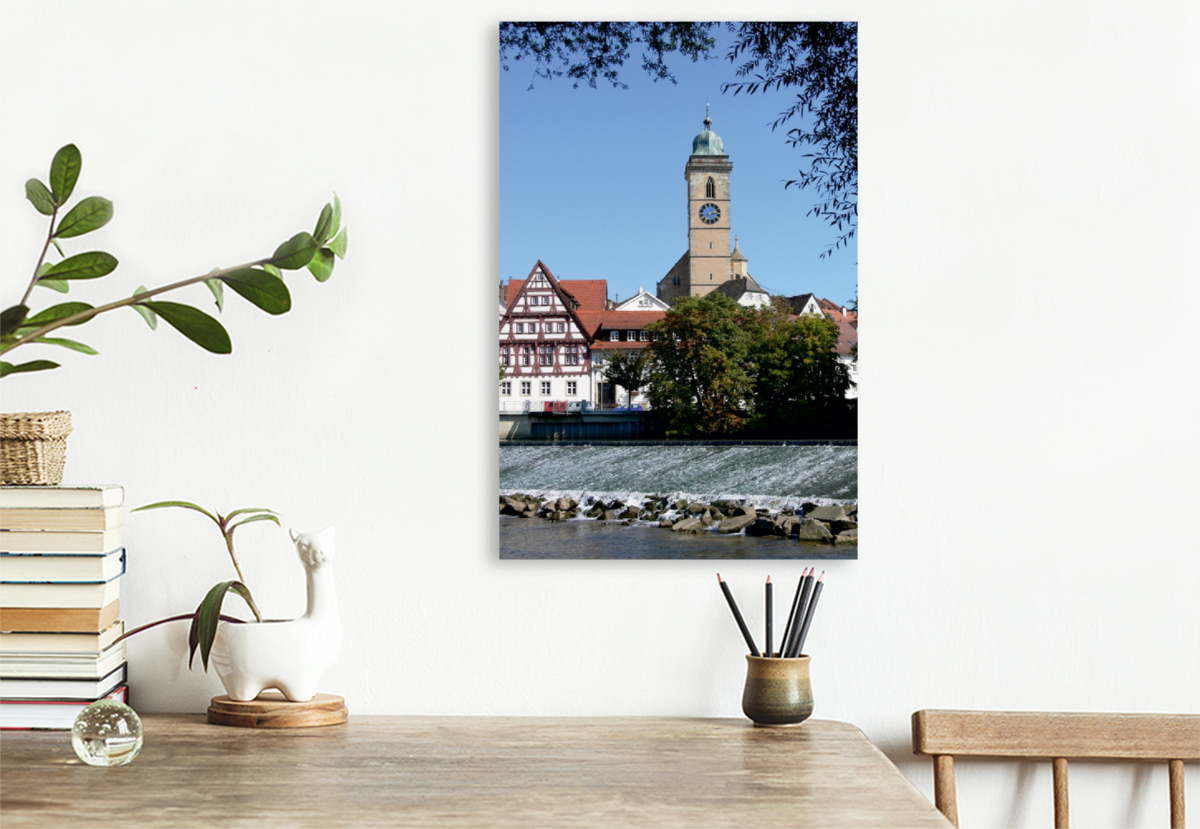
(707, 174)
(707, 263)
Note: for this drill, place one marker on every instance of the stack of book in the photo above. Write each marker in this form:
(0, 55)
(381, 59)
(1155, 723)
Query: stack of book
(61, 562)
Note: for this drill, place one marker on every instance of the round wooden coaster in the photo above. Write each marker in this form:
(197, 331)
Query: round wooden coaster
(271, 709)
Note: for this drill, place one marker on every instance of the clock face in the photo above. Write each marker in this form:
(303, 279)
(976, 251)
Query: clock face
(709, 213)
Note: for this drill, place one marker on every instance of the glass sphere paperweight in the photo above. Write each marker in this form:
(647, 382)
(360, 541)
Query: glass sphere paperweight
(107, 733)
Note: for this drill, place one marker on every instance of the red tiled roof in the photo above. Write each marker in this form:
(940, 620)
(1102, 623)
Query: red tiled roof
(592, 294)
(608, 345)
(630, 319)
(847, 337)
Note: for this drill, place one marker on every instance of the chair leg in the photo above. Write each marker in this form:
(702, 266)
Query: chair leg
(943, 787)
(1178, 821)
(1062, 809)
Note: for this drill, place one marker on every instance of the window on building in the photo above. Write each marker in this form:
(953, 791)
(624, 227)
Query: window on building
(710, 188)
(506, 388)
(614, 336)
(526, 385)
(545, 388)
(572, 388)
(562, 327)
(505, 360)
(644, 336)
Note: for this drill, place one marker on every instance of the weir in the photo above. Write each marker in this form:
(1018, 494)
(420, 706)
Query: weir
(768, 476)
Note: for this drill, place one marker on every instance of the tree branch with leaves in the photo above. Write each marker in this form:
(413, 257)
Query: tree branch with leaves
(260, 281)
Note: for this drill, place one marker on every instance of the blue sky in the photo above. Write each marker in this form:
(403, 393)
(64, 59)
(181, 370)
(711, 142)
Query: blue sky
(591, 180)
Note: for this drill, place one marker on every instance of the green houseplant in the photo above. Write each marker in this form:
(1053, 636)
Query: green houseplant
(206, 616)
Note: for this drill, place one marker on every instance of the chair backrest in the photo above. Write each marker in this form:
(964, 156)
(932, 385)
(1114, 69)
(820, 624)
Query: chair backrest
(944, 735)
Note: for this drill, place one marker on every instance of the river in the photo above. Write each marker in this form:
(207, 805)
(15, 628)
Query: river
(773, 477)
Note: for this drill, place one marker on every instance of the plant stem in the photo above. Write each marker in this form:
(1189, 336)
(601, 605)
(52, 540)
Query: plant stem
(133, 300)
(37, 269)
(178, 618)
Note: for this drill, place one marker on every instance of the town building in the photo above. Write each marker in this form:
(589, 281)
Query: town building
(555, 337)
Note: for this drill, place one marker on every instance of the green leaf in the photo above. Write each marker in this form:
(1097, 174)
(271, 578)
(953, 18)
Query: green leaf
(91, 213)
(274, 271)
(251, 520)
(261, 288)
(194, 324)
(208, 615)
(56, 312)
(36, 365)
(338, 245)
(295, 253)
(60, 285)
(39, 195)
(89, 265)
(149, 316)
(337, 214)
(245, 510)
(325, 227)
(218, 292)
(11, 319)
(64, 172)
(182, 504)
(322, 264)
(65, 343)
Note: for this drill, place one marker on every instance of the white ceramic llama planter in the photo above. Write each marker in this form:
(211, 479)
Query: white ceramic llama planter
(291, 655)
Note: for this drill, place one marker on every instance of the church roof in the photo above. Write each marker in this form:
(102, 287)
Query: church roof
(707, 142)
(736, 288)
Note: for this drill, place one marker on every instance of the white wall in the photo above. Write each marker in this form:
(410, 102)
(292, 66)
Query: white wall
(1029, 453)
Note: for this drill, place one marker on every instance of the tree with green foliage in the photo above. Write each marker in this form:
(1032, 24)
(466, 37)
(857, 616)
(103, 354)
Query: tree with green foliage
(818, 60)
(627, 368)
(700, 378)
(259, 281)
(800, 384)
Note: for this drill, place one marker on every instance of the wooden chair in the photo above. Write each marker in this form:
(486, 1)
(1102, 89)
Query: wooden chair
(945, 735)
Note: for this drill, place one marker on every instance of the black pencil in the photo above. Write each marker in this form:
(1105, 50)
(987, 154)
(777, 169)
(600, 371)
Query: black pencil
(808, 616)
(804, 588)
(737, 615)
(791, 622)
(770, 613)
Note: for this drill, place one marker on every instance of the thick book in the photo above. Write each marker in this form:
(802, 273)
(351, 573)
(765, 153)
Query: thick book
(59, 541)
(61, 567)
(58, 619)
(50, 714)
(100, 496)
(61, 688)
(46, 644)
(67, 595)
(62, 666)
(85, 519)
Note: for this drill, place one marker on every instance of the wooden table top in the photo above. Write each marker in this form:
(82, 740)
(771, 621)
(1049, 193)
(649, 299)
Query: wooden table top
(466, 771)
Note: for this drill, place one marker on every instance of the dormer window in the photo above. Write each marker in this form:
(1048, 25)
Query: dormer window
(614, 336)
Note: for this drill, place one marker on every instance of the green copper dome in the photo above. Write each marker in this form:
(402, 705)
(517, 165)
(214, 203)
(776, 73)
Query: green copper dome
(707, 142)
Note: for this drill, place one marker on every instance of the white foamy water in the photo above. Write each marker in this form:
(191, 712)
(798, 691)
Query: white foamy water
(770, 477)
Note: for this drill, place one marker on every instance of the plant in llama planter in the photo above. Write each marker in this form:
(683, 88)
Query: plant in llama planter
(251, 657)
(290, 655)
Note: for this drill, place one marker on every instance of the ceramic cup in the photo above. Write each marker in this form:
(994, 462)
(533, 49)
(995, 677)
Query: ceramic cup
(778, 691)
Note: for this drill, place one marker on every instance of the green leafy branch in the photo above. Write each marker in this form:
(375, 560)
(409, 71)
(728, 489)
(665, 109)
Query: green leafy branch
(205, 617)
(259, 281)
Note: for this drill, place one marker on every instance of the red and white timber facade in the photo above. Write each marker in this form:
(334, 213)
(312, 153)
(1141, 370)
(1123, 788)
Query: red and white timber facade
(544, 345)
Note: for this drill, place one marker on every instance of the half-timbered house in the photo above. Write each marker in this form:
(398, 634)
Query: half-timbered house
(544, 345)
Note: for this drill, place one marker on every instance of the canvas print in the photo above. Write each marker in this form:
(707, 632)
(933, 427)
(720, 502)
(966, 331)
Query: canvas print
(678, 360)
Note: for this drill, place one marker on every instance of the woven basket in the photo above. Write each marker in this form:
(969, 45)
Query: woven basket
(33, 447)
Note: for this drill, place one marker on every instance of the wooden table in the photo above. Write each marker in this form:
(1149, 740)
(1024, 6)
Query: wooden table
(466, 771)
